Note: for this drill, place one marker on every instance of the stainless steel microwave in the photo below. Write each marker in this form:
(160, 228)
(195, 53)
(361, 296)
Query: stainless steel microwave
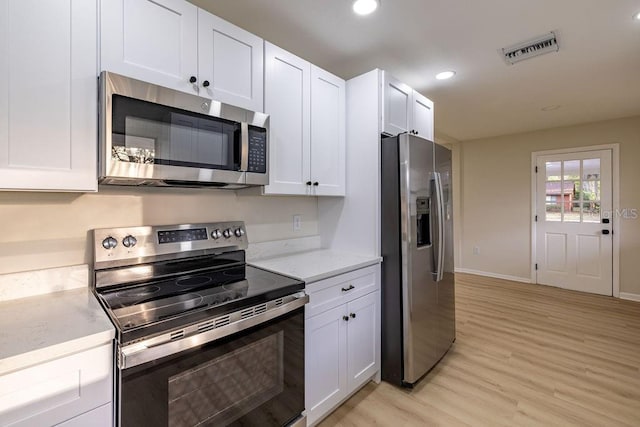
(154, 136)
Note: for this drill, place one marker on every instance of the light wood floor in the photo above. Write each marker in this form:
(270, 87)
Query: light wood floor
(524, 355)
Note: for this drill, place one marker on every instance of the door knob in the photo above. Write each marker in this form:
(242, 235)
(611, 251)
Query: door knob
(353, 315)
(605, 231)
(205, 83)
(308, 182)
(193, 79)
(345, 318)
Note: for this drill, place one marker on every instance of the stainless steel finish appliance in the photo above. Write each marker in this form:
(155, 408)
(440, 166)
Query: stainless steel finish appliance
(154, 136)
(418, 314)
(202, 338)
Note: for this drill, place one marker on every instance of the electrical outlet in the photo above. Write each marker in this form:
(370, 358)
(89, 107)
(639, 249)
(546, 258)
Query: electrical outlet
(297, 222)
(476, 250)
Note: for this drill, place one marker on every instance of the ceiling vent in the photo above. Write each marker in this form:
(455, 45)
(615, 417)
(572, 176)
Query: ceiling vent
(530, 48)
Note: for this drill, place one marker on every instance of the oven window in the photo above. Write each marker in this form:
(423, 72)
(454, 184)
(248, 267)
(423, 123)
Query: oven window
(255, 377)
(145, 132)
(222, 390)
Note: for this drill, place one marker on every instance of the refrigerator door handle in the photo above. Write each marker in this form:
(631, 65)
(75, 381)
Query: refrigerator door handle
(440, 214)
(433, 225)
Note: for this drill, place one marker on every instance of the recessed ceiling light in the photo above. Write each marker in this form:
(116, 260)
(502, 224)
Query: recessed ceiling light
(636, 16)
(365, 7)
(551, 107)
(445, 75)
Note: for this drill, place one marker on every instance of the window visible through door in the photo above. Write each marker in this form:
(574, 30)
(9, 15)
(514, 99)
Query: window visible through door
(572, 190)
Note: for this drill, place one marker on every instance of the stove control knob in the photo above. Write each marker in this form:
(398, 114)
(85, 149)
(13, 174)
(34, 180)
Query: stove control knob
(109, 243)
(239, 232)
(215, 234)
(227, 233)
(129, 241)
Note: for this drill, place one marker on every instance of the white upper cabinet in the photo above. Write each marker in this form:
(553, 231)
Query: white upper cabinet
(327, 133)
(422, 112)
(306, 106)
(396, 106)
(48, 100)
(287, 101)
(405, 110)
(230, 62)
(155, 41)
(174, 44)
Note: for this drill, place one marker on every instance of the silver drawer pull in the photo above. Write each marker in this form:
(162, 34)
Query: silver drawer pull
(347, 289)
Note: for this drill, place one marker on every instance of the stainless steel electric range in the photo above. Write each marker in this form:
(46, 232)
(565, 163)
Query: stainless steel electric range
(202, 338)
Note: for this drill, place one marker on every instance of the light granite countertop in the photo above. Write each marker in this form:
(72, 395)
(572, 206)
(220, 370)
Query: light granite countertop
(314, 265)
(44, 327)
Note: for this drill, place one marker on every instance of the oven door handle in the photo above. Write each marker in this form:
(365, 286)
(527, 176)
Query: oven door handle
(158, 347)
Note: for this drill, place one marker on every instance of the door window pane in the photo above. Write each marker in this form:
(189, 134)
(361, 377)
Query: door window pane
(591, 211)
(572, 212)
(571, 170)
(553, 212)
(591, 169)
(553, 171)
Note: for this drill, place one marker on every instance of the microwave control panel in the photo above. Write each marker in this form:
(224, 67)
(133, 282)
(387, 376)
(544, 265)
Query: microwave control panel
(257, 150)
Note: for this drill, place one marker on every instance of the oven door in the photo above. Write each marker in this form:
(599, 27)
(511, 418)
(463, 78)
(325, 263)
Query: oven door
(254, 377)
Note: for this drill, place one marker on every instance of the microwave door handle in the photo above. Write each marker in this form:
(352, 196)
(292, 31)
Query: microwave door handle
(244, 147)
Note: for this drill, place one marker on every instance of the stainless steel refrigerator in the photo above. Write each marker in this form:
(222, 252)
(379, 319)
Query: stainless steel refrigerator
(418, 313)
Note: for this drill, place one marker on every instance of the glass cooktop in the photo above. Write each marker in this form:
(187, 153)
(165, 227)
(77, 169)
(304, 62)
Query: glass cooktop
(158, 305)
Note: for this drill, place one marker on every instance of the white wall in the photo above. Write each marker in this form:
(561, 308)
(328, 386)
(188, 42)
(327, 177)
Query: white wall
(495, 196)
(43, 230)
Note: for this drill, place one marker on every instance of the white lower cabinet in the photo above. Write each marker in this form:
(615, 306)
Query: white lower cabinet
(342, 334)
(73, 390)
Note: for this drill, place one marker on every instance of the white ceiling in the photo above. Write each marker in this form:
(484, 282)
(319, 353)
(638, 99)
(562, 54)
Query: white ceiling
(595, 75)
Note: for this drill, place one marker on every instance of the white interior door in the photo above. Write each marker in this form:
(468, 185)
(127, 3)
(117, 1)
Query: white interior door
(573, 229)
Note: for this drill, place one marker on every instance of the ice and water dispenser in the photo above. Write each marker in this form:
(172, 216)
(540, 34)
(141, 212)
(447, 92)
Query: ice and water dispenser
(423, 209)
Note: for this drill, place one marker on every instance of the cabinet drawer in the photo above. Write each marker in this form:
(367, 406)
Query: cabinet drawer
(59, 390)
(99, 417)
(329, 293)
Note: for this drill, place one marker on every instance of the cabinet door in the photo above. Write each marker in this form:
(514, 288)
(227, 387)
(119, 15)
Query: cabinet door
(363, 339)
(48, 99)
(327, 133)
(155, 41)
(287, 101)
(396, 106)
(231, 60)
(422, 116)
(58, 390)
(325, 362)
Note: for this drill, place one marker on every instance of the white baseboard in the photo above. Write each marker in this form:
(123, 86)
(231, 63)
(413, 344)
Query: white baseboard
(630, 296)
(494, 275)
